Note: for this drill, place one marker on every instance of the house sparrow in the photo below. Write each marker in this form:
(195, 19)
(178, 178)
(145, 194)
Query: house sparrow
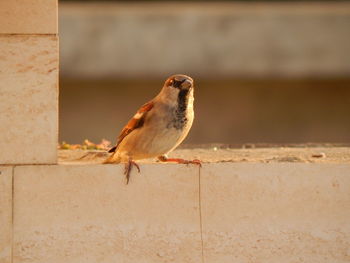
(158, 127)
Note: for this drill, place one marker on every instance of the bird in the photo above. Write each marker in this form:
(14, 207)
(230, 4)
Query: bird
(158, 127)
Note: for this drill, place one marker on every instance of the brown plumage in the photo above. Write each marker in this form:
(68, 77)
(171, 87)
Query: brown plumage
(133, 124)
(158, 127)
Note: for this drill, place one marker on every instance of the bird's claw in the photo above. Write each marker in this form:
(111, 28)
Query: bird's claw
(197, 162)
(128, 167)
(181, 161)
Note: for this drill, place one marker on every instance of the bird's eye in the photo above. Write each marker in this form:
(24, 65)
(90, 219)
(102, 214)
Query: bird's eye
(171, 82)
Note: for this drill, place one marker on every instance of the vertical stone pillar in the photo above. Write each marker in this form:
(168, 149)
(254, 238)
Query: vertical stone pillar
(28, 82)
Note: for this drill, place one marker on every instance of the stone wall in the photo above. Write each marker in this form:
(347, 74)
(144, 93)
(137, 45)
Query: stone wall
(224, 212)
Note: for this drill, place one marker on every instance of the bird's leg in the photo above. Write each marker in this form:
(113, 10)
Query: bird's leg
(128, 167)
(164, 158)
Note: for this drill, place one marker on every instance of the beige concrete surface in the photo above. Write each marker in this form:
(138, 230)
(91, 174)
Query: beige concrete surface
(87, 214)
(276, 212)
(28, 95)
(243, 212)
(5, 214)
(28, 17)
(221, 153)
(207, 40)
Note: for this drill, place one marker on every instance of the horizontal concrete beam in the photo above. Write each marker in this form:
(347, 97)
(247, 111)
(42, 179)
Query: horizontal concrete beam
(224, 212)
(206, 40)
(216, 153)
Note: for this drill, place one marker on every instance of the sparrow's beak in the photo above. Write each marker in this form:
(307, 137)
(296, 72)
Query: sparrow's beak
(187, 84)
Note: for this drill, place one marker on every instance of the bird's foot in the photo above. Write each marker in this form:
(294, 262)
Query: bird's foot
(128, 167)
(179, 160)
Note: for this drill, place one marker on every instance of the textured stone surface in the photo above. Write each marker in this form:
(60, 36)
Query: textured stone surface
(5, 214)
(28, 95)
(223, 153)
(87, 214)
(205, 39)
(251, 212)
(276, 212)
(28, 16)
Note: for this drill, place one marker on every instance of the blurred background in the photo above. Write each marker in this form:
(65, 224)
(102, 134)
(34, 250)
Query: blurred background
(265, 72)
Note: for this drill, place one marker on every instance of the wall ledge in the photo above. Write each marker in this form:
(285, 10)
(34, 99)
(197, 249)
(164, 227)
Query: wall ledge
(259, 210)
(221, 154)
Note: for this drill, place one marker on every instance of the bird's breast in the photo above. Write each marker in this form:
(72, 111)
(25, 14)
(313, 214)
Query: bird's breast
(182, 114)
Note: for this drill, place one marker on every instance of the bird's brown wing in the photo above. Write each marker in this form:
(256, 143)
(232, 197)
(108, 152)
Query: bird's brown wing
(134, 123)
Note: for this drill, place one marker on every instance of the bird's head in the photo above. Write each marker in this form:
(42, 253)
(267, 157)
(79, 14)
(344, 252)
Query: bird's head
(177, 87)
(179, 82)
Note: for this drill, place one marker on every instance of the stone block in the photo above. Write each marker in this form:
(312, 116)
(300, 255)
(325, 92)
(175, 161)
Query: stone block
(28, 17)
(276, 212)
(5, 214)
(29, 99)
(76, 213)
